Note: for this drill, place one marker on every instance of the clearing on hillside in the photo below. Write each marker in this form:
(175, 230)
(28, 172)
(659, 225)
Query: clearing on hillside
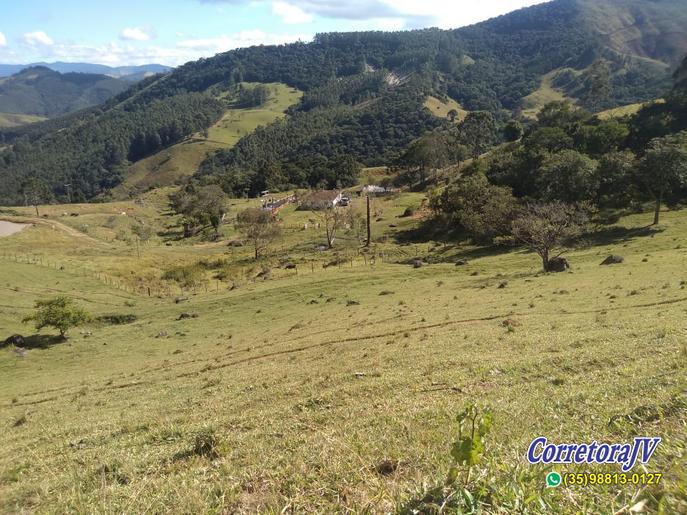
(546, 93)
(8, 120)
(440, 109)
(183, 159)
(627, 110)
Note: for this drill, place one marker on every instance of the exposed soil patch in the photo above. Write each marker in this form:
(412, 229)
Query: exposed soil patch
(10, 228)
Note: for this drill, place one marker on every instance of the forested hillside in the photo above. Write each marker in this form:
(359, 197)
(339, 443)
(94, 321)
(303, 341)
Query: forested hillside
(364, 95)
(91, 155)
(40, 91)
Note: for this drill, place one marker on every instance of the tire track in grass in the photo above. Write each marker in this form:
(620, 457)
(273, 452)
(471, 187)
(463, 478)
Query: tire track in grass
(208, 368)
(343, 340)
(420, 328)
(303, 348)
(94, 390)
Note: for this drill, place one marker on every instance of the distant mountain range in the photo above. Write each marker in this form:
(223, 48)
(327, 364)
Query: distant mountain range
(40, 91)
(131, 73)
(29, 93)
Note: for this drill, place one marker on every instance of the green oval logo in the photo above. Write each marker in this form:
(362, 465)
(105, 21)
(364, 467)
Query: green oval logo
(553, 480)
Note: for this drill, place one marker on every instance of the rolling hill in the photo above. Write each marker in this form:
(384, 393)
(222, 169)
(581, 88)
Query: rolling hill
(39, 91)
(364, 94)
(171, 341)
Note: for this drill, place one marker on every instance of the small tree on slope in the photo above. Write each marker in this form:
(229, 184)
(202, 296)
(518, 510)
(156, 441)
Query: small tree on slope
(545, 228)
(60, 313)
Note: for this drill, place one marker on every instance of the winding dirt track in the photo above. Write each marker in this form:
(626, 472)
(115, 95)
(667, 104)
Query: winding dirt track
(54, 224)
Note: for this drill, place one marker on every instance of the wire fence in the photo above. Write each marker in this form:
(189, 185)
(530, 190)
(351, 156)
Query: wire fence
(109, 280)
(324, 263)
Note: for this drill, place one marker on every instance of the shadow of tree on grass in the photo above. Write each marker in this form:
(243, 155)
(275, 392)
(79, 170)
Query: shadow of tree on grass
(614, 234)
(42, 341)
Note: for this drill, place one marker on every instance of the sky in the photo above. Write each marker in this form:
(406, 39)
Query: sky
(172, 32)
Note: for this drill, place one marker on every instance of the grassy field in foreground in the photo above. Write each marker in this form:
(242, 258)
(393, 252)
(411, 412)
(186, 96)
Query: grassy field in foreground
(183, 159)
(337, 390)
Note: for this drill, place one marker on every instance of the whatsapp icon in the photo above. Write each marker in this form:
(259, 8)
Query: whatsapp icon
(553, 480)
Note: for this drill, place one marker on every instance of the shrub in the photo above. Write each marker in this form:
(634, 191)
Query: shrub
(467, 451)
(206, 444)
(213, 264)
(187, 276)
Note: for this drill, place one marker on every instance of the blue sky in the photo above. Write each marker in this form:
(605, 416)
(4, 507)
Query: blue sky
(171, 32)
